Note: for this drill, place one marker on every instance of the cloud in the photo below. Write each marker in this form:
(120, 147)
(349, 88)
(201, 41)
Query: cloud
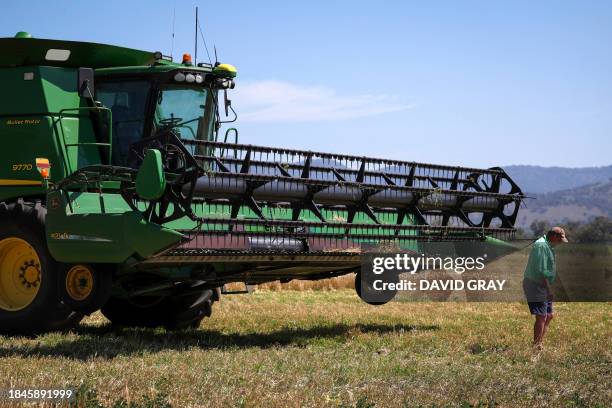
(279, 101)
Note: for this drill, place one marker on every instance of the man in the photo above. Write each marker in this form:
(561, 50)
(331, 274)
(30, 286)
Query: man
(539, 274)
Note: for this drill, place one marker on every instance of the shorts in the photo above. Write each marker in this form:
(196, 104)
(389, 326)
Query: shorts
(537, 297)
(540, 308)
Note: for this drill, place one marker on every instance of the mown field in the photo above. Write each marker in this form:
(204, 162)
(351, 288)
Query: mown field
(326, 348)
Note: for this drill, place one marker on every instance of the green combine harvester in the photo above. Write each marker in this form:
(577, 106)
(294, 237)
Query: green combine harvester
(118, 193)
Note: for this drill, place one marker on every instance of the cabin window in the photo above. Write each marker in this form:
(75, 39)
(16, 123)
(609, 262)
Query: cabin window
(127, 101)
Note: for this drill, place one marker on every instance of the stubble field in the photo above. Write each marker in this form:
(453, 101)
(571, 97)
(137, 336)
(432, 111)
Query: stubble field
(327, 348)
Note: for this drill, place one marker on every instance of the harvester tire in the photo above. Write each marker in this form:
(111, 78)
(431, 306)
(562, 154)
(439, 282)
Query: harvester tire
(171, 312)
(85, 288)
(384, 298)
(29, 298)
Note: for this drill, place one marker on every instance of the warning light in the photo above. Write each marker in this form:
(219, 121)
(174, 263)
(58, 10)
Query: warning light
(186, 59)
(44, 167)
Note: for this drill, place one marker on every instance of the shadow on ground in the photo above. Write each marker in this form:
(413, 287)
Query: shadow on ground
(109, 341)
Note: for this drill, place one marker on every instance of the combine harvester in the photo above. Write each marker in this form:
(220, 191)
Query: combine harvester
(116, 193)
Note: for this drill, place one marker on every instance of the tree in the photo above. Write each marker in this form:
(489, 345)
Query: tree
(539, 227)
(598, 230)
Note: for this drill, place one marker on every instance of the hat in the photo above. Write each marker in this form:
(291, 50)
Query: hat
(558, 231)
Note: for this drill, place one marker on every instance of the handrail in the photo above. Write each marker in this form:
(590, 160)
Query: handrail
(89, 108)
(235, 139)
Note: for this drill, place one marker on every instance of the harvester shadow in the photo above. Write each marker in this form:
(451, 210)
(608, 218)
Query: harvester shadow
(108, 342)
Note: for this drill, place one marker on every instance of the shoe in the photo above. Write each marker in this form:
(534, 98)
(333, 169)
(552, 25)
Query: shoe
(536, 352)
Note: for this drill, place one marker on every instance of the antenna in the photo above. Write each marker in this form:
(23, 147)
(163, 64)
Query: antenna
(204, 41)
(216, 59)
(173, 20)
(195, 59)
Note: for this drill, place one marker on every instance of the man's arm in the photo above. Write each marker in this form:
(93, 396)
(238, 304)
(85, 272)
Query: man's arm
(549, 295)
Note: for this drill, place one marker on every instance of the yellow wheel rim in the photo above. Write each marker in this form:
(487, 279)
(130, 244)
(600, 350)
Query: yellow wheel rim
(79, 282)
(20, 274)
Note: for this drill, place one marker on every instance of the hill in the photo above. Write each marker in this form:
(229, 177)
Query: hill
(575, 204)
(537, 179)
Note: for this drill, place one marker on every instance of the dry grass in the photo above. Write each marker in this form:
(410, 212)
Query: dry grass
(326, 348)
(341, 282)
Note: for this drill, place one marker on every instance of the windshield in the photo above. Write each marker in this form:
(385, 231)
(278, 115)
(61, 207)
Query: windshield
(185, 107)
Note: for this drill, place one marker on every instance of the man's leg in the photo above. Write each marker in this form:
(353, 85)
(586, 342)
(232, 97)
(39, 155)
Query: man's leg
(539, 327)
(549, 317)
(540, 311)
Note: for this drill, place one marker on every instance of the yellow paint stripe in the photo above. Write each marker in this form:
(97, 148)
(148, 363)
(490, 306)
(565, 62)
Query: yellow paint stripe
(15, 182)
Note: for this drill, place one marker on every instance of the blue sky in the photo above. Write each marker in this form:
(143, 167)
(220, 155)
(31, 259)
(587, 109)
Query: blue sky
(474, 83)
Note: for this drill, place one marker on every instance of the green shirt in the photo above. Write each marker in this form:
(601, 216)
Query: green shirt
(541, 263)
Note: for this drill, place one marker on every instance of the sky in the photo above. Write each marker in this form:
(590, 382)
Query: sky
(472, 83)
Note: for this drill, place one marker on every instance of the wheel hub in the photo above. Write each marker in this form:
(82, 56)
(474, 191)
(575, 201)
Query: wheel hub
(79, 282)
(30, 274)
(20, 274)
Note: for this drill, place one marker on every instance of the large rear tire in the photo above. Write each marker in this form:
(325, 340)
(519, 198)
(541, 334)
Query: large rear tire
(171, 312)
(29, 299)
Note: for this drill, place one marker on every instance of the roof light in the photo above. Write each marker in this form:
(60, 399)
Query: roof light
(190, 78)
(187, 59)
(179, 77)
(199, 79)
(54, 54)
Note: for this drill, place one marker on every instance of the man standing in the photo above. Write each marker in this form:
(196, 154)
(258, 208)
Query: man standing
(539, 274)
